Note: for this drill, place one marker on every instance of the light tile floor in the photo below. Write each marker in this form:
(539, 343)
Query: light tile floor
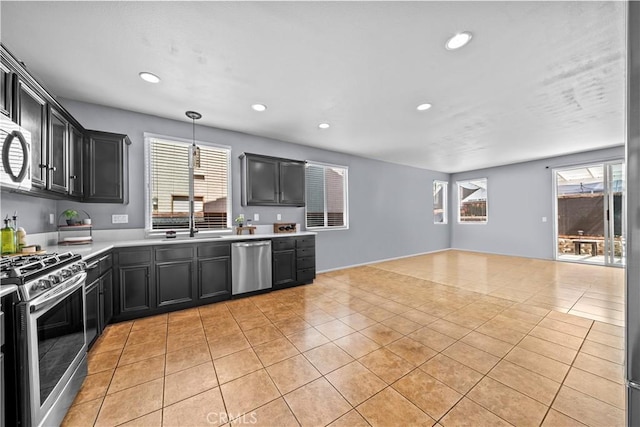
(454, 338)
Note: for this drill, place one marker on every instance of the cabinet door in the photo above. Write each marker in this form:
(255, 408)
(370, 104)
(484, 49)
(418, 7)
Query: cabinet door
(31, 114)
(135, 290)
(58, 174)
(92, 310)
(107, 168)
(174, 281)
(284, 268)
(292, 189)
(261, 181)
(107, 299)
(76, 144)
(214, 277)
(6, 86)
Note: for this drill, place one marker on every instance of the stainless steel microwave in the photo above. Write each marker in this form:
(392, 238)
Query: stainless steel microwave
(15, 168)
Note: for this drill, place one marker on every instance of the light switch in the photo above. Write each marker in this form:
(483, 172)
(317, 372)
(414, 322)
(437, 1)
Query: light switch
(278, 217)
(256, 217)
(544, 219)
(52, 218)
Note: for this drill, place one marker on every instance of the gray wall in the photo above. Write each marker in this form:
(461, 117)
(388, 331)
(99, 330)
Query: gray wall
(33, 212)
(390, 206)
(519, 195)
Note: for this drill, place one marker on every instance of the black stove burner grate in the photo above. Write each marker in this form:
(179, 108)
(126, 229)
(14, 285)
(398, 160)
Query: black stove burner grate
(27, 267)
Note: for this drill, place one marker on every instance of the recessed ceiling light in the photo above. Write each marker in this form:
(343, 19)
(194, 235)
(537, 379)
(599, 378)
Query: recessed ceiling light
(459, 40)
(149, 77)
(259, 107)
(423, 107)
(324, 126)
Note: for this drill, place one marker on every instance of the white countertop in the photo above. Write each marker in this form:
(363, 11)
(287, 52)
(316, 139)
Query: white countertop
(98, 247)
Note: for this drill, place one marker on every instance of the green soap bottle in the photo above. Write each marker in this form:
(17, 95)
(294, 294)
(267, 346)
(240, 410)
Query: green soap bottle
(8, 237)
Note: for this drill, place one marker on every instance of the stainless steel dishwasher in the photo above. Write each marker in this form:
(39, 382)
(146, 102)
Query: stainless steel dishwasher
(250, 266)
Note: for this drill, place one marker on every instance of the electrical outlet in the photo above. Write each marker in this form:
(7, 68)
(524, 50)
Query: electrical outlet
(278, 217)
(52, 219)
(544, 219)
(119, 219)
(256, 217)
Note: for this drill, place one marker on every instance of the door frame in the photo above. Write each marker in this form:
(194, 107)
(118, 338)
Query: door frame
(605, 165)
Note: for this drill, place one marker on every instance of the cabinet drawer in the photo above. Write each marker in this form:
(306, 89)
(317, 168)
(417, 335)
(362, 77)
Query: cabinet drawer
(305, 252)
(106, 262)
(304, 263)
(134, 257)
(214, 251)
(93, 270)
(172, 254)
(283, 244)
(305, 242)
(306, 275)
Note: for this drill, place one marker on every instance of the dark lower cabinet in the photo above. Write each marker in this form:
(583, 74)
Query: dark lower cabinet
(135, 289)
(284, 268)
(174, 281)
(214, 278)
(294, 261)
(92, 301)
(158, 279)
(106, 302)
(99, 296)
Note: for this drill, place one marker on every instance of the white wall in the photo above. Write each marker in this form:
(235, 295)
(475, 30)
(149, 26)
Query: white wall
(519, 195)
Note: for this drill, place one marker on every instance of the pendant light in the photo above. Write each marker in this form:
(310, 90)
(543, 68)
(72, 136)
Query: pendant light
(194, 161)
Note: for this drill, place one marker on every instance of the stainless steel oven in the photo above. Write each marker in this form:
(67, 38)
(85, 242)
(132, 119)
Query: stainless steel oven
(51, 332)
(54, 350)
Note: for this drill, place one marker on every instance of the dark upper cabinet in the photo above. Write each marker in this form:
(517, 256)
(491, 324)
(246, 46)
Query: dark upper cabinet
(6, 88)
(58, 148)
(262, 181)
(272, 181)
(106, 178)
(31, 114)
(76, 147)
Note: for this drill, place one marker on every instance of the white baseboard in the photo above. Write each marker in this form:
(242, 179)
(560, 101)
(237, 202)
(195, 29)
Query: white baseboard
(381, 260)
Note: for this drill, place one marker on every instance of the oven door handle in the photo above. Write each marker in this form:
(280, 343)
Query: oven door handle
(50, 300)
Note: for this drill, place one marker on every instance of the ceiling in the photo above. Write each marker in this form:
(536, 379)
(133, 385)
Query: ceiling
(538, 79)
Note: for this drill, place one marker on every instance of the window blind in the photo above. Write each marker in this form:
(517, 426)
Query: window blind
(169, 186)
(326, 194)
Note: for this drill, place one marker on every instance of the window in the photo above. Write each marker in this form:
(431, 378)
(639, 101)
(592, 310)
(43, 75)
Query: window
(326, 193)
(472, 201)
(440, 211)
(167, 161)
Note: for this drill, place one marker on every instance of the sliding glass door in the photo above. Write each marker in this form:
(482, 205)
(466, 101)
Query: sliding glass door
(590, 220)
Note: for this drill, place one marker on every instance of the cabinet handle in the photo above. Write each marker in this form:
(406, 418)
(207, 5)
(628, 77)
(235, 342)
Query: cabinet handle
(73, 177)
(42, 166)
(52, 168)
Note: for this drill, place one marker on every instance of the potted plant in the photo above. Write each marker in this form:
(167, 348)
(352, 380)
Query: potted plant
(240, 220)
(72, 216)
